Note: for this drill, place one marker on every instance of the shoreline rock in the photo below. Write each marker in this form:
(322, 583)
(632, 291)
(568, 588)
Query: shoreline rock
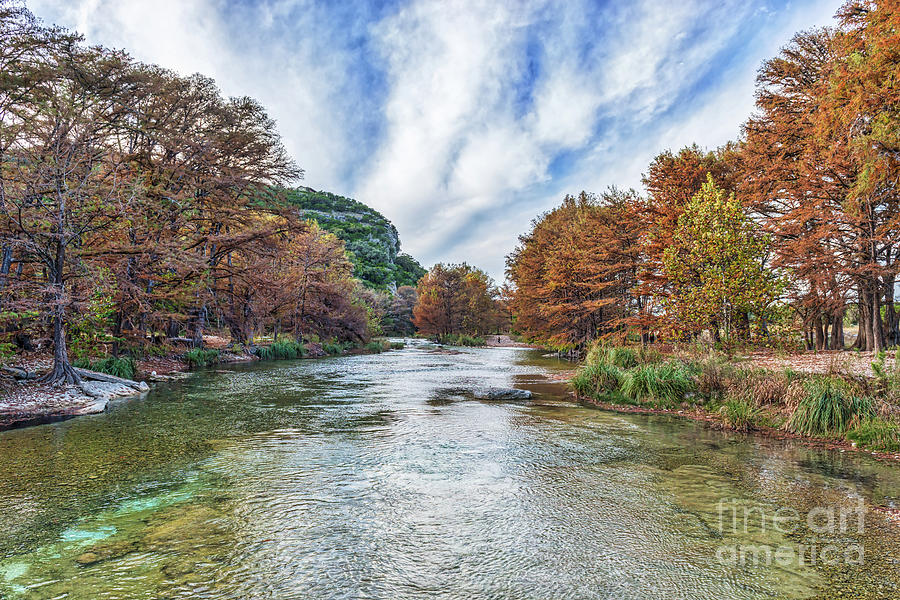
(500, 394)
(31, 403)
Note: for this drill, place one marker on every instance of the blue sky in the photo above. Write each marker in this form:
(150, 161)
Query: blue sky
(462, 120)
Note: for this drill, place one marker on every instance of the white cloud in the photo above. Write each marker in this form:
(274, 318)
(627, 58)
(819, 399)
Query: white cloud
(461, 121)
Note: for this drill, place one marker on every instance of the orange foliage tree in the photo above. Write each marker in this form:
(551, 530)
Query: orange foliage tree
(573, 274)
(455, 299)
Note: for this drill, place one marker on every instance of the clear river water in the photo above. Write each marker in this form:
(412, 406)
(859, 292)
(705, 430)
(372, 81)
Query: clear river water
(373, 477)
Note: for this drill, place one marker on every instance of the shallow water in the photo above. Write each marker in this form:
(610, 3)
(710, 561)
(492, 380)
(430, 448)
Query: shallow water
(371, 477)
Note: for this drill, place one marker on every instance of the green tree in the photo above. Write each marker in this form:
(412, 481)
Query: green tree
(716, 267)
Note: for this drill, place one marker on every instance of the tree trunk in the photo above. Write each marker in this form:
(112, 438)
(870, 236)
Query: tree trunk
(819, 333)
(62, 372)
(891, 318)
(199, 324)
(877, 329)
(862, 338)
(5, 264)
(837, 332)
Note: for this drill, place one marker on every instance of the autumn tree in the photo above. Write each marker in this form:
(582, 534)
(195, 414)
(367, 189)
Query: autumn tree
(821, 181)
(574, 273)
(137, 204)
(797, 187)
(454, 299)
(60, 184)
(399, 314)
(859, 115)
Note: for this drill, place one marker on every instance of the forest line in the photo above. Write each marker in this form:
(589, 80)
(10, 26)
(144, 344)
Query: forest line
(768, 240)
(139, 206)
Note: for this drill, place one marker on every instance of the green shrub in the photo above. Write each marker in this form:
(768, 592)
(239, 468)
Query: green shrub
(739, 413)
(117, 367)
(876, 434)
(665, 384)
(201, 357)
(827, 408)
(597, 379)
(265, 353)
(887, 379)
(397, 345)
(714, 378)
(287, 350)
(334, 348)
(7, 351)
(377, 346)
(646, 355)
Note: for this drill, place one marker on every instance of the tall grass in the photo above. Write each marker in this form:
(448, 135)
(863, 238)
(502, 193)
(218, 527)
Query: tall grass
(201, 357)
(378, 346)
(664, 384)
(715, 378)
(597, 379)
(616, 356)
(739, 413)
(828, 408)
(118, 367)
(284, 350)
(887, 378)
(875, 433)
(334, 348)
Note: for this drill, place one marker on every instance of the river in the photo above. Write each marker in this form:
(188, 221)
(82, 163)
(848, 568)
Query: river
(371, 477)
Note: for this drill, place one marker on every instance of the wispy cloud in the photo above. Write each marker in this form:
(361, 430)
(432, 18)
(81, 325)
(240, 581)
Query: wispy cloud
(463, 120)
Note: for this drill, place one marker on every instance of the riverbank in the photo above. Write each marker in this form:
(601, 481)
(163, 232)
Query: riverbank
(715, 421)
(25, 401)
(504, 341)
(840, 401)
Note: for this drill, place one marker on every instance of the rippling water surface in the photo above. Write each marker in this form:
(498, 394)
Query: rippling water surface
(371, 477)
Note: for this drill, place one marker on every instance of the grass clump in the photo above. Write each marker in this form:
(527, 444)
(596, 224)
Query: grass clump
(715, 378)
(377, 346)
(201, 357)
(875, 433)
(663, 384)
(615, 356)
(739, 413)
(597, 379)
(118, 367)
(828, 408)
(288, 350)
(887, 378)
(334, 348)
(397, 345)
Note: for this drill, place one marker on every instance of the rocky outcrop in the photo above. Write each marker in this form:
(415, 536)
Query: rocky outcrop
(499, 394)
(485, 394)
(33, 403)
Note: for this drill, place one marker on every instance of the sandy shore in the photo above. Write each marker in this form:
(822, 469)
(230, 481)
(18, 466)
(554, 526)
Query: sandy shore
(504, 341)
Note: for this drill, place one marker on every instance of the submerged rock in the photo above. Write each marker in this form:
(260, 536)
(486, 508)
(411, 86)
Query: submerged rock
(501, 394)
